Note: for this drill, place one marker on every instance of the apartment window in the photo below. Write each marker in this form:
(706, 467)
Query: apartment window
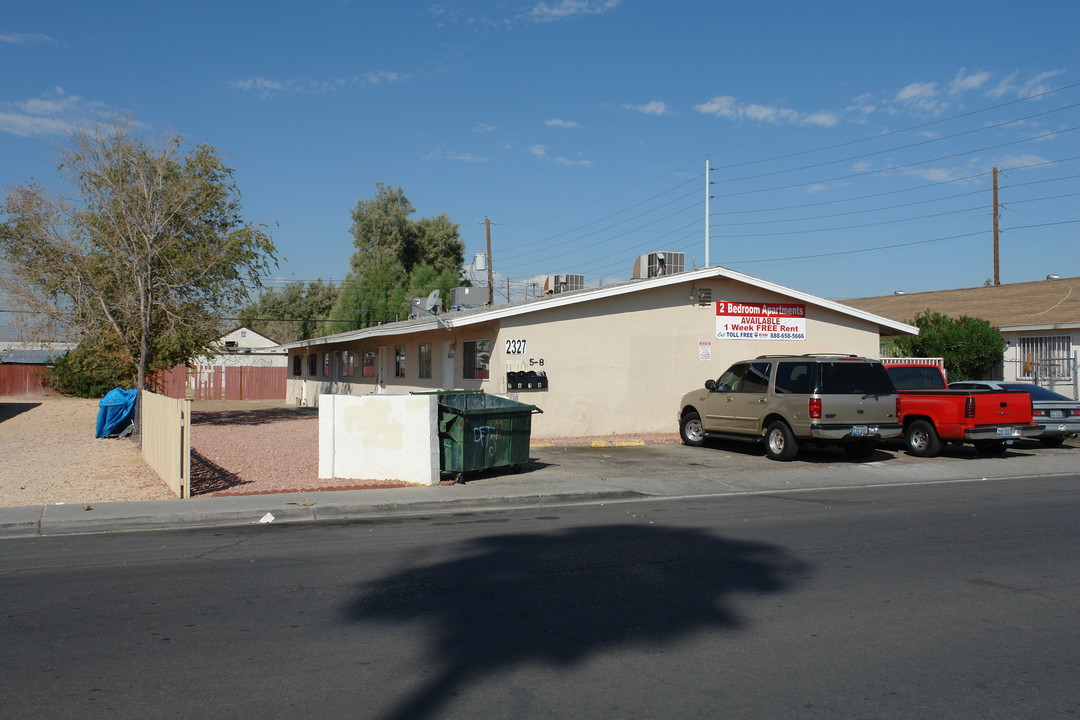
(326, 364)
(1045, 357)
(297, 365)
(313, 364)
(348, 364)
(423, 364)
(475, 361)
(369, 363)
(399, 361)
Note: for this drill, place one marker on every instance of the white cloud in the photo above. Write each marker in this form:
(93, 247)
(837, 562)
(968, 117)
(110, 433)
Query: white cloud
(443, 154)
(728, 107)
(1010, 85)
(568, 124)
(936, 174)
(29, 126)
(25, 38)
(1005, 86)
(541, 151)
(656, 107)
(565, 9)
(266, 88)
(1020, 161)
(571, 161)
(920, 98)
(1038, 84)
(55, 113)
(964, 81)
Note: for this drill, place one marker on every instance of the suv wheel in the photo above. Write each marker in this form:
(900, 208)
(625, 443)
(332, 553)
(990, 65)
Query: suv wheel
(780, 442)
(691, 431)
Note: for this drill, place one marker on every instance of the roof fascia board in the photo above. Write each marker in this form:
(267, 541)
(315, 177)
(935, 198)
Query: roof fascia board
(1032, 328)
(557, 301)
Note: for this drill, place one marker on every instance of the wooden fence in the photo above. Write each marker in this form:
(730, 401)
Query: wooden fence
(239, 382)
(27, 379)
(166, 439)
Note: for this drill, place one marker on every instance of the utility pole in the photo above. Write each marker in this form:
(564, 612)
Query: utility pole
(491, 287)
(708, 220)
(997, 273)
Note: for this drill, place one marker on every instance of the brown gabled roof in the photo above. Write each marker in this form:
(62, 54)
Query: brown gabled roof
(1043, 302)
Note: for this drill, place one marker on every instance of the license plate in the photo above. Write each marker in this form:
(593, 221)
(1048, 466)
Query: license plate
(1057, 413)
(860, 430)
(1006, 432)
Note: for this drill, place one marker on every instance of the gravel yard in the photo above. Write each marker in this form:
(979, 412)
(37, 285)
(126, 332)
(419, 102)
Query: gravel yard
(49, 455)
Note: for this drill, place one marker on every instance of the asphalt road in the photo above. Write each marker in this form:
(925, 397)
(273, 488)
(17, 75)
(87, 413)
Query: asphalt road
(948, 600)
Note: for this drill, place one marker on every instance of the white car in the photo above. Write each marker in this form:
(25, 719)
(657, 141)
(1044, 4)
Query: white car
(1059, 415)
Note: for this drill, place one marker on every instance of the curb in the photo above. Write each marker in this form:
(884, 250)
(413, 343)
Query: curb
(59, 520)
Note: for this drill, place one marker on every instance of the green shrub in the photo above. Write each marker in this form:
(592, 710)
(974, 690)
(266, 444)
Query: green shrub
(91, 369)
(970, 346)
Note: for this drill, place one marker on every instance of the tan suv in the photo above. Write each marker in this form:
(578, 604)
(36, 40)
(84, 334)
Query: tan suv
(785, 400)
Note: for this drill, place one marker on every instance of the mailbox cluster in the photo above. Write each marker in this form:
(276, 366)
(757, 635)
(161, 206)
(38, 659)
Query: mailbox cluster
(526, 380)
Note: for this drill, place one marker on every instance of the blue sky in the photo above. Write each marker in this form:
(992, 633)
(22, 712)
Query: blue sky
(851, 142)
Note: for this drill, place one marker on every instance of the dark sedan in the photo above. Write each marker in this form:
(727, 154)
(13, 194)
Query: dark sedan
(1059, 414)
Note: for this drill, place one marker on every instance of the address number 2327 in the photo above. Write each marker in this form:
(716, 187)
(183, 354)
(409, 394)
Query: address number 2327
(515, 347)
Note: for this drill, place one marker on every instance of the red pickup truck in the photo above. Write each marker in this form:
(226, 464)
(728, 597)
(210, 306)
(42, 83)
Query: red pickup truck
(931, 413)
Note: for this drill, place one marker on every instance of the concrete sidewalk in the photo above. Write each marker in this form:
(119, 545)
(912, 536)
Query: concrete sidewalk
(557, 476)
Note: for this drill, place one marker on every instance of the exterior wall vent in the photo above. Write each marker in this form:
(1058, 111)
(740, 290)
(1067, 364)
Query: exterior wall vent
(655, 264)
(555, 284)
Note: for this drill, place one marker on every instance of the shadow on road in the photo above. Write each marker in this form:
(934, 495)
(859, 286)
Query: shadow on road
(558, 598)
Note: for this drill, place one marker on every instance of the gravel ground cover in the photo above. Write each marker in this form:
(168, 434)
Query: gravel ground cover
(49, 455)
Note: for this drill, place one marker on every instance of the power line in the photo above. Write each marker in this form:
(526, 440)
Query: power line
(912, 128)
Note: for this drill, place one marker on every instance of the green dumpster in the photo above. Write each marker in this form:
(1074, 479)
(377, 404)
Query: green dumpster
(478, 431)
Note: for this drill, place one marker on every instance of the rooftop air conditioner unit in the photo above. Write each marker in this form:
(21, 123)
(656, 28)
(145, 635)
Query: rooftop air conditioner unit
(468, 297)
(555, 284)
(655, 264)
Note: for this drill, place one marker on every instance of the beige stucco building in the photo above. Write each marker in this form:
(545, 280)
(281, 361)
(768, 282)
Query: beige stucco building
(614, 359)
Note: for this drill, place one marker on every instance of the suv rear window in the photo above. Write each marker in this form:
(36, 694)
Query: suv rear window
(794, 377)
(853, 378)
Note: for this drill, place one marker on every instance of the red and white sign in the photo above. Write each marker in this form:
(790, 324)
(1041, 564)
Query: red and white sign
(760, 321)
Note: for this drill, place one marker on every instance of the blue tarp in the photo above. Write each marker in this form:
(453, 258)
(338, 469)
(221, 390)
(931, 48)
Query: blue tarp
(115, 411)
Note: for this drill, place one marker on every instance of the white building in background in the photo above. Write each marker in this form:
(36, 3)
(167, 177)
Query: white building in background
(243, 346)
(1039, 321)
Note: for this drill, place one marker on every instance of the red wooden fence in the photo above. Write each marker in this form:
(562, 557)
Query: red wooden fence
(29, 380)
(209, 382)
(240, 383)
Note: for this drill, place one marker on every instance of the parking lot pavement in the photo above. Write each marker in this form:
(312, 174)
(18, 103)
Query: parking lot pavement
(733, 467)
(559, 475)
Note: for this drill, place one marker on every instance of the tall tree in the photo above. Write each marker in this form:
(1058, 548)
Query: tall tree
(295, 312)
(396, 259)
(150, 251)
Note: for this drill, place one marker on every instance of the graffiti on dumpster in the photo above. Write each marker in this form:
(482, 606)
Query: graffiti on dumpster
(487, 437)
